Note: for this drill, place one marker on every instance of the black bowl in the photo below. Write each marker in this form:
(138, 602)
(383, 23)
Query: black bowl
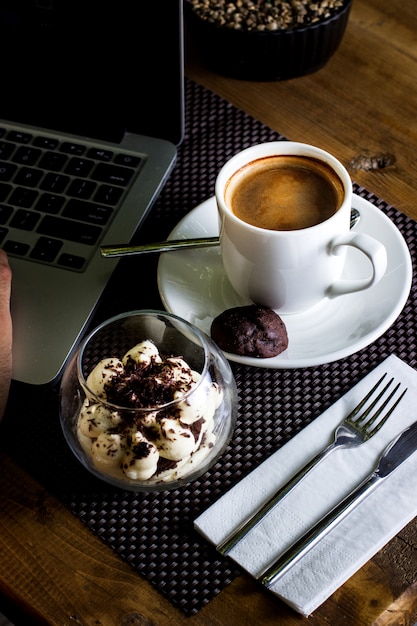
(266, 55)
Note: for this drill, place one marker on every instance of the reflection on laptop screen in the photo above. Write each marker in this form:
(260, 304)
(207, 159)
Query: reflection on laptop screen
(92, 67)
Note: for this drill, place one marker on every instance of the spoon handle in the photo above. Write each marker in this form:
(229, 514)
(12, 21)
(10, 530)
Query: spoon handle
(108, 252)
(159, 246)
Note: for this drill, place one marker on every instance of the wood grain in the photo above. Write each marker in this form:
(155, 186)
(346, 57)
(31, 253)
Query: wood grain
(362, 102)
(58, 573)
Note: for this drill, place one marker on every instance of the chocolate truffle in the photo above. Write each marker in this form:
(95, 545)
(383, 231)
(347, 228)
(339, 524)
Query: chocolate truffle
(252, 330)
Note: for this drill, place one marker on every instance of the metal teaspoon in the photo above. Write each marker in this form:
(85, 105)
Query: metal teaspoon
(108, 252)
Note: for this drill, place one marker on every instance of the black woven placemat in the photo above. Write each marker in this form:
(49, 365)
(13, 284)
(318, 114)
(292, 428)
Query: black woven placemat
(154, 532)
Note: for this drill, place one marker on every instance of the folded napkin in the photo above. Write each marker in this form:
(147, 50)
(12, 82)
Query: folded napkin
(354, 540)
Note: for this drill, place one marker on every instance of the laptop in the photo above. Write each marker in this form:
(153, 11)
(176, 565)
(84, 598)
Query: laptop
(91, 115)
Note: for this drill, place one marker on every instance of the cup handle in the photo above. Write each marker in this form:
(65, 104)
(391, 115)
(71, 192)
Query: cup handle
(373, 249)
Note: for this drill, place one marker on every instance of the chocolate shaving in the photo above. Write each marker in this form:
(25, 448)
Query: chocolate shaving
(144, 387)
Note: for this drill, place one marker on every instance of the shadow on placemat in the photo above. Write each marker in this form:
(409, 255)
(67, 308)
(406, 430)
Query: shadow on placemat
(154, 532)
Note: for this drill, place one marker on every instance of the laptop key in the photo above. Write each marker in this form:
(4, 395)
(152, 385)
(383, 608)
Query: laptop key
(87, 212)
(25, 220)
(7, 170)
(62, 228)
(6, 149)
(26, 155)
(49, 143)
(5, 189)
(80, 188)
(112, 174)
(50, 203)
(16, 247)
(72, 148)
(109, 194)
(100, 154)
(53, 161)
(23, 197)
(71, 261)
(46, 249)
(28, 176)
(5, 213)
(19, 136)
(55, 183)
(79, 167)
(127, 159)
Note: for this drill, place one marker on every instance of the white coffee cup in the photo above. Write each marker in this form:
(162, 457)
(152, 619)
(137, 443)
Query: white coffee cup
(291, 270)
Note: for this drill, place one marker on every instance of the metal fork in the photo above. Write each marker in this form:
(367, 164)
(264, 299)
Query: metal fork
(355, 429)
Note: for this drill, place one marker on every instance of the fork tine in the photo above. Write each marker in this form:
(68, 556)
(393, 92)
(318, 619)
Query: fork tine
(373, 404)
(354, 413)
(354, 418)
(387, 414)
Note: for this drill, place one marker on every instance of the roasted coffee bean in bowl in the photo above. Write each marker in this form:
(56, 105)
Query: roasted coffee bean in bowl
(266, 40)
(148, 402)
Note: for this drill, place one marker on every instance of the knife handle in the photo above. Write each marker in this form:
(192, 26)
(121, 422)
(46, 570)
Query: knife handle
(298, 549)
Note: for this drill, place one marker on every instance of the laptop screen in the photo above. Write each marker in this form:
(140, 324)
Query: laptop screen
(93, 68)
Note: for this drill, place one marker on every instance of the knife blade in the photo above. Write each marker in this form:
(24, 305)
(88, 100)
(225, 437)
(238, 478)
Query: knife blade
(396, 452)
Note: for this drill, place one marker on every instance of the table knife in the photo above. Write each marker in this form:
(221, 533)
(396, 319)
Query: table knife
(397, 451)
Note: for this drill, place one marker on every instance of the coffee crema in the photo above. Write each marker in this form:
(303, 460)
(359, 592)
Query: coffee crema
(284, 192)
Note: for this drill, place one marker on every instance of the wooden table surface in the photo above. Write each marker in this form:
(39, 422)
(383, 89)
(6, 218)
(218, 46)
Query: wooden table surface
(52, 569)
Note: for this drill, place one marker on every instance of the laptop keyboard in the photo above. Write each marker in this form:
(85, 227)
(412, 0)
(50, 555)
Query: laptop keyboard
(58, 197)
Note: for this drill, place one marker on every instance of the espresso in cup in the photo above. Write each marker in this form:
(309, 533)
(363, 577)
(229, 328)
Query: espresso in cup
(284, 192)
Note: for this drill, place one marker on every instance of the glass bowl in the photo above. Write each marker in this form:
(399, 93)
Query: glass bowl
(148, 402)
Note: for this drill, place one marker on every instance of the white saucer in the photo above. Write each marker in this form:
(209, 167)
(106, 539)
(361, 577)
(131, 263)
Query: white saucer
(193, 285)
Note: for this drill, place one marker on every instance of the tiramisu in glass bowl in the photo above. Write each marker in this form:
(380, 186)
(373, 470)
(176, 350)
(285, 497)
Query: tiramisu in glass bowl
(148, 402)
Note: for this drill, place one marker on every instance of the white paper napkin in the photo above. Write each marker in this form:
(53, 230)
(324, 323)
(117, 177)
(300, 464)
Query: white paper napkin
(357, 538)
